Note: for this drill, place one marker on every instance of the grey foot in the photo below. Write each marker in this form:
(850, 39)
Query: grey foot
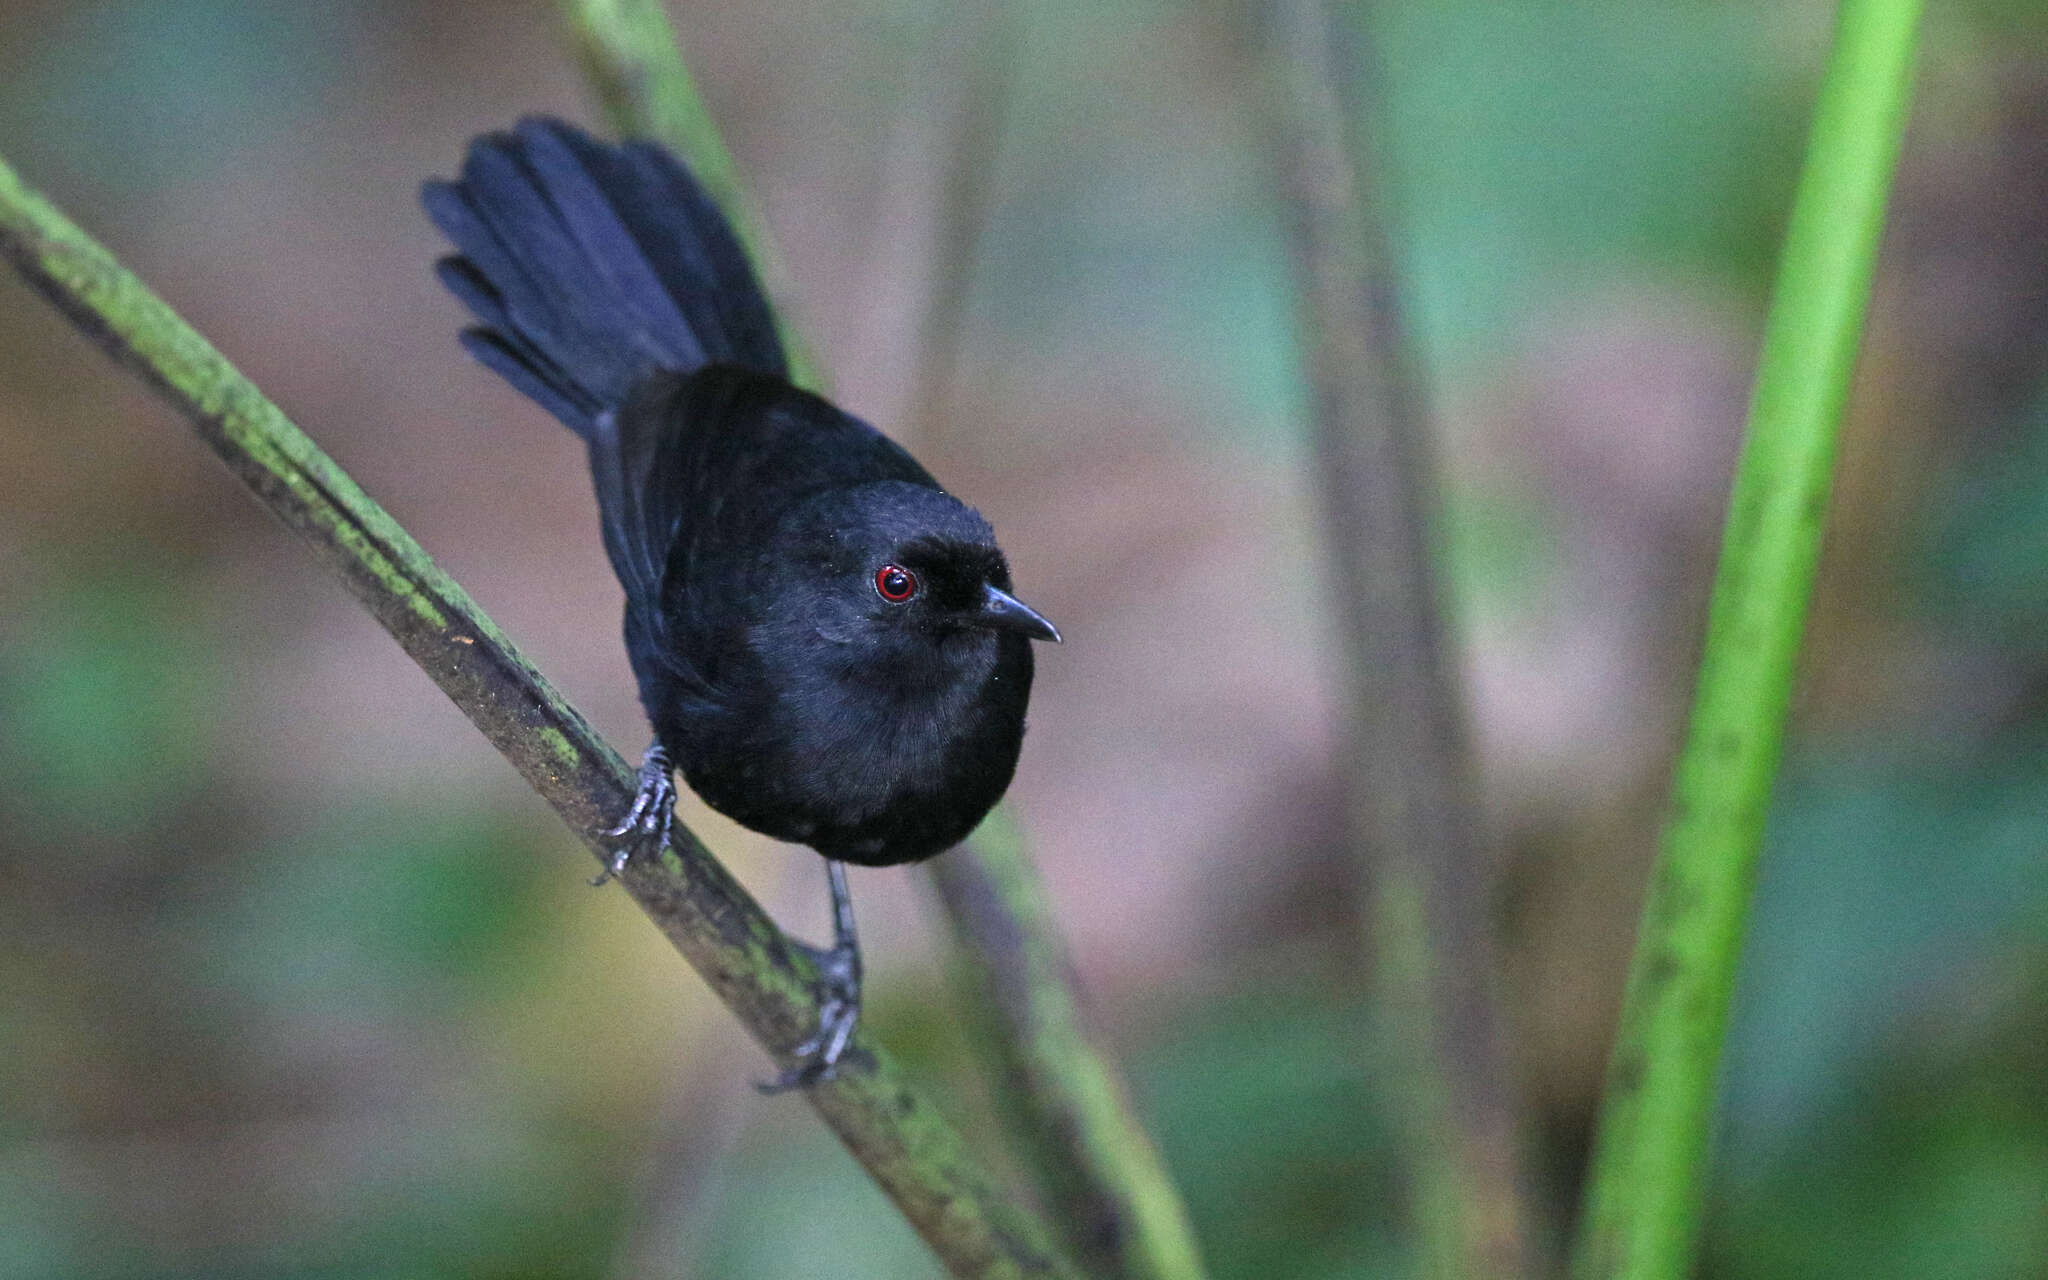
(652, 818)
(817, 1059)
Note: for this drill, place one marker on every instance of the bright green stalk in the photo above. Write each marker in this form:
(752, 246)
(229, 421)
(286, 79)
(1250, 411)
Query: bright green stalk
(1643, 1214)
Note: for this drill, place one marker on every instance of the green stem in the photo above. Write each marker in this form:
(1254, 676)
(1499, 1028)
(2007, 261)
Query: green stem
(1107, 1185)
(904, 1143)
(1643, 1213)
(1119, 1210)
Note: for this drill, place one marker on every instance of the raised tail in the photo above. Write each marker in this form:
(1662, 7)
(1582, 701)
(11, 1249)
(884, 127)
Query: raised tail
(590, 266)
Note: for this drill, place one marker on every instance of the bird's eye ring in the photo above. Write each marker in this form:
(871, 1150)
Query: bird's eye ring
(895, 583)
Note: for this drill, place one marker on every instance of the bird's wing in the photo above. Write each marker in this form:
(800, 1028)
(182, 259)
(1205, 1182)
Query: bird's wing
(693, 476)
(648, 483)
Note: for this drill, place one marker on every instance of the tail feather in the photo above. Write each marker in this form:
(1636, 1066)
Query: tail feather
(497, 343)
(568, 171)
(589, 267)
(735, 318)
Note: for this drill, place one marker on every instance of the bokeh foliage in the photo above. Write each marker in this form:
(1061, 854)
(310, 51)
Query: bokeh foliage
(266, 1016)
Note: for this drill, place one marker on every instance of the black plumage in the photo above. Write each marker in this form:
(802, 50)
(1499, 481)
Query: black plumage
(824, 638)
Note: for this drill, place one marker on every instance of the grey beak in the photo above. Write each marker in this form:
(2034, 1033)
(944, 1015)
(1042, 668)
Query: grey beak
(1001, 611)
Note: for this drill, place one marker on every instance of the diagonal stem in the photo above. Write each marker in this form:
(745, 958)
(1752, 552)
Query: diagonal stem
(761, 975)
(1119, 1209)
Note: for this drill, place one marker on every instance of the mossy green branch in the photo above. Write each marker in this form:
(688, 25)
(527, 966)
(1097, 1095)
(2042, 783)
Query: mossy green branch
(1643, 1208)
(1118, 1209)
(905, 1145)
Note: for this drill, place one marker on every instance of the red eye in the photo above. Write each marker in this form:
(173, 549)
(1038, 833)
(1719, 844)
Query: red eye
(895, 583)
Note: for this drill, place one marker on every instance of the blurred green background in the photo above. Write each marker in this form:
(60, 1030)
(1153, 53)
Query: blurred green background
(296, 980)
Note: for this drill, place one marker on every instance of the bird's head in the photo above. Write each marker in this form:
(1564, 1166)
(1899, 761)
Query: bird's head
(901, 564)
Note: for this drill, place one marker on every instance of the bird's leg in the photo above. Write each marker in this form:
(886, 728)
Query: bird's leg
(838, 995)
(839, 975)
(653, 815)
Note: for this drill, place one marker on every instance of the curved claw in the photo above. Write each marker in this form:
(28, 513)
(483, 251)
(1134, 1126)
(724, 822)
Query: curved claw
(652, 818)
(817, 1059)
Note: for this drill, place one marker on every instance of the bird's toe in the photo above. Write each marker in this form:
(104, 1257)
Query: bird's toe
(817, 1059)
(651, 820)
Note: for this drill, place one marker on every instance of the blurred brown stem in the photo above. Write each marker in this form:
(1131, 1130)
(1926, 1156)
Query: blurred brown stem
(1409, 791)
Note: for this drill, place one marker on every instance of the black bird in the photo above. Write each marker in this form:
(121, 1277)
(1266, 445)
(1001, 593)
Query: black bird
(824, 639)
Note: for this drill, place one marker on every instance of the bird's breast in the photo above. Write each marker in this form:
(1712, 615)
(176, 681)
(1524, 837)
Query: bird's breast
(872, 766)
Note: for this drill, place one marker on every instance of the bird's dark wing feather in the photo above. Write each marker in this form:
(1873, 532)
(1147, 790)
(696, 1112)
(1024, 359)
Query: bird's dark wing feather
(702, 468)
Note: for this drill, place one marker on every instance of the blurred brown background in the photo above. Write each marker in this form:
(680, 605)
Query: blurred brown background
(297, 980)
